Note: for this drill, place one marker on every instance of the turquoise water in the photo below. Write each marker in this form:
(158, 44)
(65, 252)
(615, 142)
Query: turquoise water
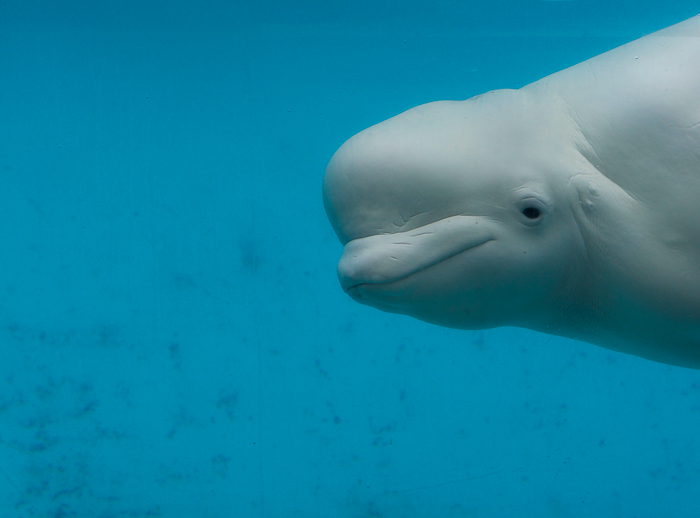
(173, 339)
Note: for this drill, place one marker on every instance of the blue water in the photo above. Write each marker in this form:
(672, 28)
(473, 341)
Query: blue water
(173, 339)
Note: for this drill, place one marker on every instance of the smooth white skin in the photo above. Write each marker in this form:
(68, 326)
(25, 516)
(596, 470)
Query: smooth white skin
(429, 204)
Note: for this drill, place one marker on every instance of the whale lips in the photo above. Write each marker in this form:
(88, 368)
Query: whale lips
(385, 258)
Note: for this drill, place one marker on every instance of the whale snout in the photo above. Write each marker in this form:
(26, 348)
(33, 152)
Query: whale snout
(386, 258)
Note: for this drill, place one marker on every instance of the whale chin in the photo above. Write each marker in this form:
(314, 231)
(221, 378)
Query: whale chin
(404, 295)
(363, 293)
(424, 294)
(404, 298)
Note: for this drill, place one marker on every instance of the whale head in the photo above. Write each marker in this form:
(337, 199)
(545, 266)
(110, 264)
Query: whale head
(458, 213)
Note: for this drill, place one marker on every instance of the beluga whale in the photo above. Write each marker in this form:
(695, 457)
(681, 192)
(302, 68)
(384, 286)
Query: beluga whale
(570, 206)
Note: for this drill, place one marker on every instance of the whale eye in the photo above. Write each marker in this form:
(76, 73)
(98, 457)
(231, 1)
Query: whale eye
(533, 204)
(531, 213)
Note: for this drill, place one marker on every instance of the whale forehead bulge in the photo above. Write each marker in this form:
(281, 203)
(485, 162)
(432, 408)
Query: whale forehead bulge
(431, 162)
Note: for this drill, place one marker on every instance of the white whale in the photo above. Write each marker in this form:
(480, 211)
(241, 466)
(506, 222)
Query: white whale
(570, 206)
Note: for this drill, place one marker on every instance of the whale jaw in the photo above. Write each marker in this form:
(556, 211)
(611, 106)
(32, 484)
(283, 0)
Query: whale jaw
(387, 258)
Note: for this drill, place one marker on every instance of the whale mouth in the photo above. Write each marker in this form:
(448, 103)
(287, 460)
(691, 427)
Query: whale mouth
(387, 258)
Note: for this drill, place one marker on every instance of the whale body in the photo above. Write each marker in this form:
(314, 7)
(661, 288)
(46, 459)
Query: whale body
(570, 206)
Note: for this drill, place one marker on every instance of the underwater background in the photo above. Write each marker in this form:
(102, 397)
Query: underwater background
(173, 338)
